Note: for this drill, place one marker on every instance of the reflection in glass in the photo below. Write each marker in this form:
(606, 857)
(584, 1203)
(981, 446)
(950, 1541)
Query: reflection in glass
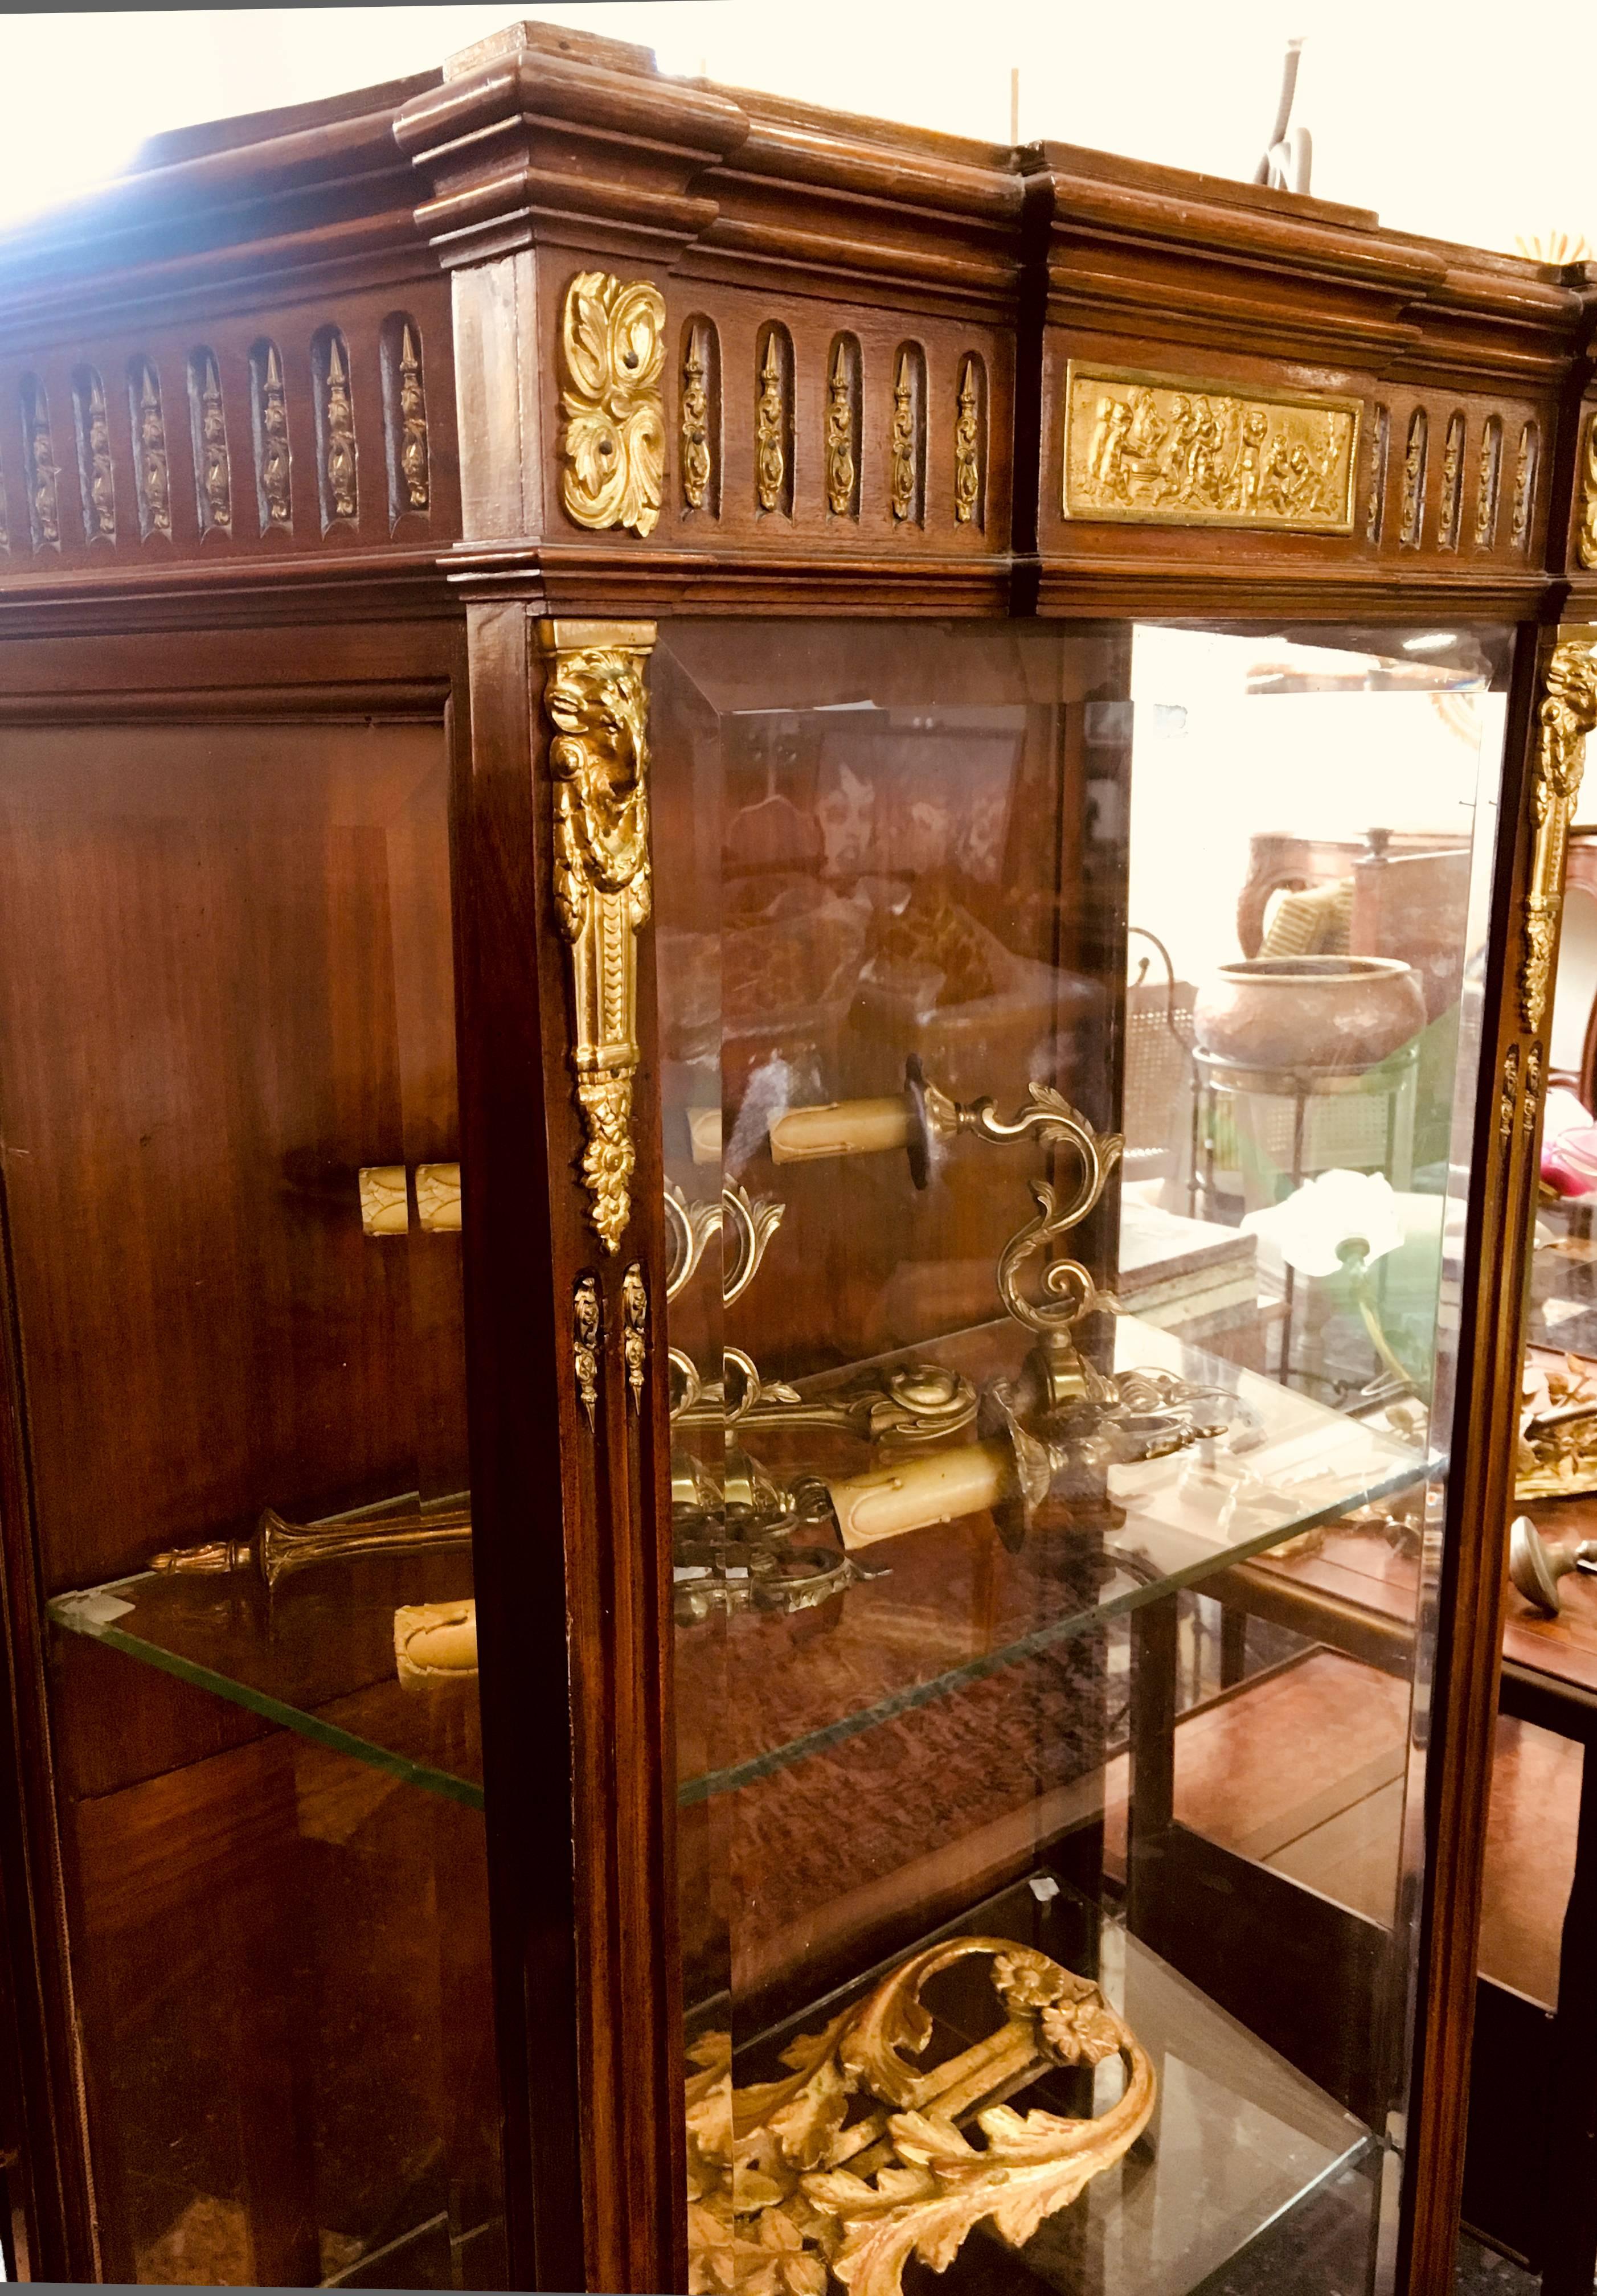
(1086, 1020)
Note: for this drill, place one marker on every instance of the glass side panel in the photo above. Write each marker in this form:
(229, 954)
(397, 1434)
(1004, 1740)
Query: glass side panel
(1070, 1043)
(228, 1108)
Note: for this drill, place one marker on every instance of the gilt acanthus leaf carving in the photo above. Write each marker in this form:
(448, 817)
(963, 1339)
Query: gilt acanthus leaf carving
(612, 446)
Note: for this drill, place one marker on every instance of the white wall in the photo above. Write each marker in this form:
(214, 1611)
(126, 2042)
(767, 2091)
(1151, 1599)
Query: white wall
(1445, 118)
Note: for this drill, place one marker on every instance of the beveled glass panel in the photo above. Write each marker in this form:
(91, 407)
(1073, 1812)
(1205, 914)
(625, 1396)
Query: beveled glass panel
(1084, 1020)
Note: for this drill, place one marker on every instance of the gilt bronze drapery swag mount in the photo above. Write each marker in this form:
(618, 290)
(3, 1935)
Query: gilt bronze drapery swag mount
(1567, 714)
(597, 703)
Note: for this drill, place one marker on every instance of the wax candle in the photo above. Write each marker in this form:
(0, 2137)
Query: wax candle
(939, 1488)
(845, 1128)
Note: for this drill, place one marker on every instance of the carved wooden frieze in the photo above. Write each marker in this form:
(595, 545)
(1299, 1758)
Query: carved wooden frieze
(613, 443)
(152, 468)
(598, 705)
(1170, 451)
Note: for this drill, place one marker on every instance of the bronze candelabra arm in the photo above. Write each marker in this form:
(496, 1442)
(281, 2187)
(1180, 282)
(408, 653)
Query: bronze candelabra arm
(277, 1548)
(924, 1117)
(902, 1403)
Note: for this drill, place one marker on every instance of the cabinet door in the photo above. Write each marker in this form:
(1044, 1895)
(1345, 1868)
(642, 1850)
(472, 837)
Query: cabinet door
(1069, 1054)
(227, 1096)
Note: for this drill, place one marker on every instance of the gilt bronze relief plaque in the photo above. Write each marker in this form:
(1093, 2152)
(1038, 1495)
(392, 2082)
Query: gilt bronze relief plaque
(1165, 450)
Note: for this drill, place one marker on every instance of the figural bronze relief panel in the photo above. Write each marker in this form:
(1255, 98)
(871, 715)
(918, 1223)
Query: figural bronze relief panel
(1170, 450)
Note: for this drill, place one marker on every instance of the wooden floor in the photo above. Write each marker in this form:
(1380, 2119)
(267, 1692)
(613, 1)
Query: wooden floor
(1304, 1772)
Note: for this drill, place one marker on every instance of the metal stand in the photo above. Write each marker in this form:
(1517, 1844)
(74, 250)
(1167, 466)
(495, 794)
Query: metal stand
(1395, 1079)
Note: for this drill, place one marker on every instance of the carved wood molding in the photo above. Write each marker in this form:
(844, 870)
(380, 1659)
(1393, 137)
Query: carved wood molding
(595, 702)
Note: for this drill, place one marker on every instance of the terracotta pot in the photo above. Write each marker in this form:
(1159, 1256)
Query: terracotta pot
(1309, 1012)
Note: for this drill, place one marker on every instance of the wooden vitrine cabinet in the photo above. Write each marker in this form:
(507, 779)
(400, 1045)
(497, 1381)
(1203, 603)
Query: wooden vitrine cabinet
(775, 903)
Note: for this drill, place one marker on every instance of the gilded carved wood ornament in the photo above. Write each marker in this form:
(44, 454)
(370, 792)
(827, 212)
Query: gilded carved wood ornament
(1568, 714)
(613, 445)
(598, 704)
(790, 2180)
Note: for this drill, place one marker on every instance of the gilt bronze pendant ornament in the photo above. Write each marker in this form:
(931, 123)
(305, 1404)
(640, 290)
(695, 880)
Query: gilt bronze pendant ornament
(595, 701)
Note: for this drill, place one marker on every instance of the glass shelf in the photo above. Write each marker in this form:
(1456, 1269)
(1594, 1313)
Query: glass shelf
(954, 1608)
(1239, 2136)
(315, 1655)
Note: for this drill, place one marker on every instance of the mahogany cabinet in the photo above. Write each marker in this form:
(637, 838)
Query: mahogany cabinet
(666, 1271)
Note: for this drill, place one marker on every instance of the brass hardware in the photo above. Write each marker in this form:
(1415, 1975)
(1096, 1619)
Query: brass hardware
(1534, 1567)
(696, 469)
(840, 435)
(437, 1198)
(920, 1119)
(782, 2170)
(586, 1329)
(904, 1404)
(635, 1324)
(902, 440)
(413, 467)
(338, 431)
(613, 445)
(384, 1208)
(753, 1222)
(276, 1548)
(597, 703)
(1167, 450)
(1568, 714)
(967, 441)
(688, 1227)
(770, 428)
(1586, 542)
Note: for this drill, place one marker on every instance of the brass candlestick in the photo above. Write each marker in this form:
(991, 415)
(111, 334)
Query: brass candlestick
(276, 1549)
